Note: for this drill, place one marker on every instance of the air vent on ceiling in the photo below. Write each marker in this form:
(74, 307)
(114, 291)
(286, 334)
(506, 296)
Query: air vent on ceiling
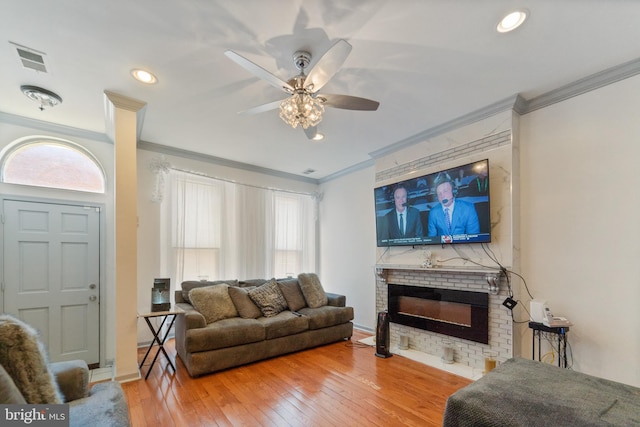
(30, 58)
(308, 171)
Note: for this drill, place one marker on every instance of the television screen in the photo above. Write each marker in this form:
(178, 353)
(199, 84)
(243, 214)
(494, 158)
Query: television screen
(449, 206)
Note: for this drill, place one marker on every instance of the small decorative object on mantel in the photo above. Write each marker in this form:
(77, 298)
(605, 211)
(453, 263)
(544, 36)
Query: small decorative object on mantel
(427, 259)
(381, 274)
(160, 295)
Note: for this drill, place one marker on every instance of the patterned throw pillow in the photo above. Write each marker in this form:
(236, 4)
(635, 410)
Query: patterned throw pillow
(268, 298)
(312, 290)
(213, 302)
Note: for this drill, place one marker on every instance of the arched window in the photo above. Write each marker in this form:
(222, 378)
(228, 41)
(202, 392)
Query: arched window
(52, 163)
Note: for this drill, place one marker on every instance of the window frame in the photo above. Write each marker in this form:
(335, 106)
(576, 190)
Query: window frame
(6, 155)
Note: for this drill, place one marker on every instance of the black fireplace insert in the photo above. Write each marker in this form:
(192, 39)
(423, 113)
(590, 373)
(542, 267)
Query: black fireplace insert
(461, 314)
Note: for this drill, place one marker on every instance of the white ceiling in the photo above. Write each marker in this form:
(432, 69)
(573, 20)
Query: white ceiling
(426, 62)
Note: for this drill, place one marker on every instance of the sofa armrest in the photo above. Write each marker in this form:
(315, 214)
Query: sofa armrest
(72, 378)
(336, 300)
(178, 297)
(192, 318)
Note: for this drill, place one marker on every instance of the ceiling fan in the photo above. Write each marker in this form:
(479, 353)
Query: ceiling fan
(305, 105)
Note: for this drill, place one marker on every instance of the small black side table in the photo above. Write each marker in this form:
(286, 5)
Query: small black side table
(171, 313)
(561, 331)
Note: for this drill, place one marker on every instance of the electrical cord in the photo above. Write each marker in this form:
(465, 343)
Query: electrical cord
(383, 254)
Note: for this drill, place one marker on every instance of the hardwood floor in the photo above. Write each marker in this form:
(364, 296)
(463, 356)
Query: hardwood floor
(338, 384)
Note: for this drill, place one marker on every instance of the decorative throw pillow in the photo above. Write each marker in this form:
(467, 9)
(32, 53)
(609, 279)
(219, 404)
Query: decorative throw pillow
(292, 294)
(186, 286)
(246, 308)
(312, 290)
(213, 302)
(24, 358)
(268, 298)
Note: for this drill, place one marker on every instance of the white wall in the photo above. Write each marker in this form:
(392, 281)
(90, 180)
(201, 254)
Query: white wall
(580, 223)
(348, 242)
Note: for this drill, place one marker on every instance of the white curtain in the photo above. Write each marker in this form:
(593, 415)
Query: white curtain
(217, 230)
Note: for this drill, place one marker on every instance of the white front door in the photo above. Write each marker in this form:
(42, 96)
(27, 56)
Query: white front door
(52, 275)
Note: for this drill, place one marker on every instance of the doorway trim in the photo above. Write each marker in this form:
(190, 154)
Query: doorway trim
(102, 340)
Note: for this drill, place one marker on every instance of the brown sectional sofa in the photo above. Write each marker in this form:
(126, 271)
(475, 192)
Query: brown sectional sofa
(233, 341)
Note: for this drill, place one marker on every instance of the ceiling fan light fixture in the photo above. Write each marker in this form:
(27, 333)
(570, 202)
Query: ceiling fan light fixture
(301, 109)
(512, 20)
(44, 97)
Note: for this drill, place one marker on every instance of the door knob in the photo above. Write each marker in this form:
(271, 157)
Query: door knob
(93, 298)
(92, 286)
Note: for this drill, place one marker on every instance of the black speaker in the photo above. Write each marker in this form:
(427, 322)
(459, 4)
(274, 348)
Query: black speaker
(382, 335)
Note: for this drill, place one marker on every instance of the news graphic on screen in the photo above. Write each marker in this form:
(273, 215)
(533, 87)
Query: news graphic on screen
(448, 206)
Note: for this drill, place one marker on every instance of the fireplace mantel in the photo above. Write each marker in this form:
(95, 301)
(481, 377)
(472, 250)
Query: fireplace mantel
(460, 269)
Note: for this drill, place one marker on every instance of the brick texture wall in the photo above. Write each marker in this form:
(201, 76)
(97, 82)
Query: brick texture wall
(466, 352)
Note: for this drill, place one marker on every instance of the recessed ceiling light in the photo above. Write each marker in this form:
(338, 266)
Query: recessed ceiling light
(143, 76)
(512, 21)
(318, 136)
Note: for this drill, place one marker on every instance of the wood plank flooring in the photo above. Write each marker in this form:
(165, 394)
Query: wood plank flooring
(341, 384)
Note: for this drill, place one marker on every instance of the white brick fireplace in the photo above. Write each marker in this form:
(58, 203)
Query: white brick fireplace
(466, 352)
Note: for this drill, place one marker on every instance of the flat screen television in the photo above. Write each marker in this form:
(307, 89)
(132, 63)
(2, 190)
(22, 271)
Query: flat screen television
(448, 206)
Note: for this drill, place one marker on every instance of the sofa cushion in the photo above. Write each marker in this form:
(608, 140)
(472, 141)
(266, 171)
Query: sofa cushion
(224, 333)
(292, 294)
(213, 302)
(9, 393)
(252, 282)
(24, 358)
(327, 315)
(312, 290)
(268, 298)
(284, 324)
(192, 284)
(245, 306)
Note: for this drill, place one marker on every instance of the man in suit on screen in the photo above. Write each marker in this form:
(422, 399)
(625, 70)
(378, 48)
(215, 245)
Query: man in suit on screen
(451, 216)
(402, 221)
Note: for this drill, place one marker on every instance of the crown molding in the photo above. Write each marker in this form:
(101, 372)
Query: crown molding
(112, 101)
(461, 121)
(520, 105)
(178, 152)
(124, 102)
(53, 127)
(584, 85)
(351, 169)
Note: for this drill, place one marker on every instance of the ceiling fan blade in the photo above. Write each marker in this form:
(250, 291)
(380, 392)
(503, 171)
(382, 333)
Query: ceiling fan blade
(261, 108)
(311, 131)
(327, 65)
(258, 71)
(347, 102)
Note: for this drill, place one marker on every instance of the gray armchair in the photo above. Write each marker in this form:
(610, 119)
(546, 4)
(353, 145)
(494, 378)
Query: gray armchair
(26, 378)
